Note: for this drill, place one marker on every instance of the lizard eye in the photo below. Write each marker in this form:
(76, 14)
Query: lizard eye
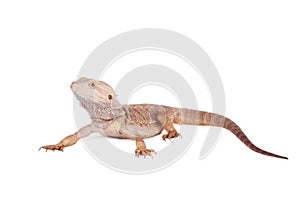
(109, 97)
(92, 85)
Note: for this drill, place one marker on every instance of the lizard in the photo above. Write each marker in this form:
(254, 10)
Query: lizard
(139, 121)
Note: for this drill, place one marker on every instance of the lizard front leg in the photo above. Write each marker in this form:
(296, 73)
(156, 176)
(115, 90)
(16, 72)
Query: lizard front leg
(141, 148)
(69, 140)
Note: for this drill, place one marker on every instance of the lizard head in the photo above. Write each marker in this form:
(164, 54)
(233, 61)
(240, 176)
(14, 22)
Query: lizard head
(97, 97)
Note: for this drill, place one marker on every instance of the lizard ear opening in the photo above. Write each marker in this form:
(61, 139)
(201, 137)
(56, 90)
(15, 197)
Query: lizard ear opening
(109, 97)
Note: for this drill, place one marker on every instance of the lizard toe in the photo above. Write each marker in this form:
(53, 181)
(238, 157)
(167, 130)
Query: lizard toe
(52, 147)
(144, 152)
(170, 135)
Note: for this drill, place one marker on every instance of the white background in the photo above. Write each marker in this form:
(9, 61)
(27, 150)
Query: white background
(254, 45)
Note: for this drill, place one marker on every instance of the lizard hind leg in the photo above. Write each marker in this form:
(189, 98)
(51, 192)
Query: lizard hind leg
(141, 148)
(172, 133)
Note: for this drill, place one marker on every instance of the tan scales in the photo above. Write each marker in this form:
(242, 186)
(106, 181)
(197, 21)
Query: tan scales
(139, 121)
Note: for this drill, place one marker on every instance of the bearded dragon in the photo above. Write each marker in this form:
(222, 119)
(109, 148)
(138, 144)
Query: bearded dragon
(139, 121)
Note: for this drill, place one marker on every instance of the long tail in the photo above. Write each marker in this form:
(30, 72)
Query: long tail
(194, 117)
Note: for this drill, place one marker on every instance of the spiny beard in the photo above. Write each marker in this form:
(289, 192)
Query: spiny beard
(97, 110)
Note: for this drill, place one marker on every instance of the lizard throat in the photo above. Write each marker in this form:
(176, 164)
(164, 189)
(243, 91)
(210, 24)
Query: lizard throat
(98, 111)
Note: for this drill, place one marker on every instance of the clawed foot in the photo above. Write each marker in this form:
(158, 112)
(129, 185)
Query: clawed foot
(144, 152)
(170, 135)
(67, 141)
(57, 147)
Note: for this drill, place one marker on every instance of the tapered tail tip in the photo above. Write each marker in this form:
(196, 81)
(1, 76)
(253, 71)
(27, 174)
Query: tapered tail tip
(286, 158)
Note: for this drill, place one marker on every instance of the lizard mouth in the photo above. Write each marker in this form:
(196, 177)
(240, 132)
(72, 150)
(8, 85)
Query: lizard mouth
(84, 103)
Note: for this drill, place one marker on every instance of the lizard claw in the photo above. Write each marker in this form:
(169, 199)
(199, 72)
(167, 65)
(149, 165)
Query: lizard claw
(141, 149)
(170, 135)
(52, 147)
(144, 152)
(165, 138)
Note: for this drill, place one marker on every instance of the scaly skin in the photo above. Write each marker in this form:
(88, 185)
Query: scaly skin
(139, 121)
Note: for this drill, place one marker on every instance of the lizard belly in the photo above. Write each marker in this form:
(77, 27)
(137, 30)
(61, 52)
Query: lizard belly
(134, 131)
(120, 129)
